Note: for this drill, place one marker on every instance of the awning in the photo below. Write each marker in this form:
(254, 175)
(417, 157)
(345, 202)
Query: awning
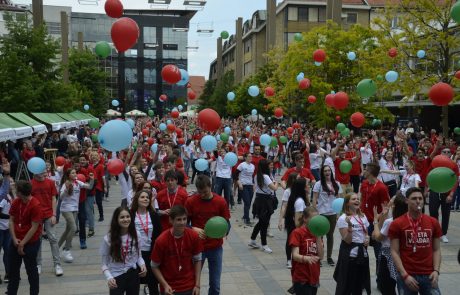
(83, 116)
(54, 120)
(20, 130)
(37, 126)
(73, 122)
(136, 113)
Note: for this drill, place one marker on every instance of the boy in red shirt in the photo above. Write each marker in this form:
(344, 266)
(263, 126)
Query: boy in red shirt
(176, 256)
(298, 168)
(100, 186)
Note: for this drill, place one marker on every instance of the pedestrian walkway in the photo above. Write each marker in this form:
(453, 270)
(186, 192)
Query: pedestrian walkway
(245, 270)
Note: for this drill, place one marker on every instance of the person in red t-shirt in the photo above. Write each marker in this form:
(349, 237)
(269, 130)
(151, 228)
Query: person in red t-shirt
(256, 156)
(172, 195)
(158, 182)
(176, 256)
(299, 169)
(100, 182)
(307, 252)
(28, 151)
(25, 228)
(418, 260)
(343, 178)
(201, 207)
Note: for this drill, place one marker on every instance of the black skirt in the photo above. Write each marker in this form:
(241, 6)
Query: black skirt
(263, 206)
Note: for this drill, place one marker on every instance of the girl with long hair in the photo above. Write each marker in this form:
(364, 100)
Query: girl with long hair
(287, 192)
(410, 178)
(121, 255)
(325, 192)
(264, 204)
(307, 252)
(147, 223)
(352, 270)
(137, 179)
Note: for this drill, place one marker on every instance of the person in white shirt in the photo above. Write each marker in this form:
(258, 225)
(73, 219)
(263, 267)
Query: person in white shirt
(223, 178)
(389, 172)
(5, 204)
(245, 183)
(366, 155)
(409, 177)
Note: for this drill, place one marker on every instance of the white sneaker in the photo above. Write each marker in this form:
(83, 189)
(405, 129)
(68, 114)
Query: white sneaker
(289, 264)
(269, 234)
(266, 249)
(253, 244)
(59, 271)
(67, 256)
(444, 239)
(39, 268)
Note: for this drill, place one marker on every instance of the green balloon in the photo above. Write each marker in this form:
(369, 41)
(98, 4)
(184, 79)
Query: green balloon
(224, 137)
(94, 123)
(341, 127)
(345, 166)
(455, 12)
(441, 179)
(94, 137)
(150, 113)
(457, 130)
(345, 132)
(319, 225)
(216, 227)
(274, 142)
(366, 88)
(379, 78)
(224, 35)
(103, 49)
(298, 37)
(283, 139)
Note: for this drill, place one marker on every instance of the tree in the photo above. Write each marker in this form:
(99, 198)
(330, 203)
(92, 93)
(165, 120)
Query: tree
(30, 80)
(215, 94)
(89, 80)
(426, 25)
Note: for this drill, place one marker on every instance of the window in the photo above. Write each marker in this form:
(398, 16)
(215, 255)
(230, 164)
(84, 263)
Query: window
(322, 14)
(54, 28)
(289, 38)
(352, 18)
(292, 14)
(394, 22)
(303, 14)
(7, 16)
(21, 16)
(247, 45)
(313, 14)
(247, 68)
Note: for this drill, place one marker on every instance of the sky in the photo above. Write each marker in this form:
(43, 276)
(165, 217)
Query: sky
(219, 15)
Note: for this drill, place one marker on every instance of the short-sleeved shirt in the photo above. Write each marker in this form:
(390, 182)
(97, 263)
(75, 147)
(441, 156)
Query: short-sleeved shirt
(24, 214)
(339, 176)
(264, 189)
(384, 232)
(359, 230)
(306, 242)
(44, 191)
(299, 205)
(325, 198)
(246, 173)
(167, 200)
(373, 195)
(408, 181)
(304, 172)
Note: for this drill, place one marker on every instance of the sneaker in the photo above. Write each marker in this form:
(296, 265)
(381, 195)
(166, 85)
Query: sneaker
(77, 232)
(289, 264)
(331, 262)
(83, 244)
(239, 202)
(58, 270)
(444, 239)
(39, 269)
(146, 290)
(291, 290)
(248, 223)
(67, 256)
(253, 244)
(101, 219)
(90, 233)
(266, 249)
(6, 279)
(269, 234)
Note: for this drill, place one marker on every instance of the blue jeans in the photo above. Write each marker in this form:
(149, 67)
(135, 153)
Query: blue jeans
(316, 173)
(456, 202)
(187, 164)
(30, 262)
(214, 258)
(247, 194)
(224, 184)
(89, 205)
(5, 240)
(424, 286)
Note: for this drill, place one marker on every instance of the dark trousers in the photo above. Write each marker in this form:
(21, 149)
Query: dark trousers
(149, 279)
(99, 198)
(246, 194)
(289, 229)
(82, 220)
(304, 289)
(330, 234)
(30, 262)
(386, 283)
(5, 240)
(224, 184)
(128, 283)
(377, 246)
(439, 200)
(355, 283)
(355, 181)
(262, 227)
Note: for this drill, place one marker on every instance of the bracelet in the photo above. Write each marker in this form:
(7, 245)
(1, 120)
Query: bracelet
(437, 271)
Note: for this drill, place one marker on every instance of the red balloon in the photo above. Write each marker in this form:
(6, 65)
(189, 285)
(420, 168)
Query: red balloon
(330, 100)
(171, 127)
(113, 8)
(189, 85)
(179, 132)
(393, 52)
(81, 177)
(457, 74)
(341, 100)
(296, 125)
(171, 74)
(60, 161)
(290, 130)
(441, 94)
(115, 166)
(278, 112)
(125, 32)
(180, 140)
(304, 83)
(150, 141)
(149, 124)
(337, 118)
(145, 131)
(312, 99)
(442, 161)
(163, 97)
(319, 55)
(209, 120)
(357, 119)
(191, 94)
(175, 114)
(269, 91)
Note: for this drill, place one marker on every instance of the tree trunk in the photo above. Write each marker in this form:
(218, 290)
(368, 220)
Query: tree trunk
(445, 121)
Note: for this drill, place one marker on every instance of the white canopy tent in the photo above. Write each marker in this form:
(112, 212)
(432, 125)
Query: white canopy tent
(112, 113)
(188, 114)
(136, 113)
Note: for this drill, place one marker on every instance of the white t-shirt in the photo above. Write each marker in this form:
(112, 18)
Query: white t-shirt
(145, 221)
(358, 233)
(325, 199)
(299, 205)
(69, 203)
(222, 169)
(385, 177)
(246, 172)
(286, 194)
(384, 231)
(315, 160)
(5, 205)
(366, 155)
(408, 181)
(328, 162)
(265, 189)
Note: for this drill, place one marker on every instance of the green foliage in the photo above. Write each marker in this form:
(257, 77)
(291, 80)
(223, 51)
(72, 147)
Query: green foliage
(215, 94)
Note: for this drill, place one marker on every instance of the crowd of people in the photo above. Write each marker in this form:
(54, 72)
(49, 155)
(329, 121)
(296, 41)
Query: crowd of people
(157, 236)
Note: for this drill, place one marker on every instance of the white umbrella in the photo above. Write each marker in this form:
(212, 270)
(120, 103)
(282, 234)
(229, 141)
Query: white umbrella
(112, 113)
(136, 113)
(188, 114)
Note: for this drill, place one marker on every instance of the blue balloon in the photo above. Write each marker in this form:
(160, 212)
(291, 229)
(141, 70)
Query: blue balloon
(273, 131)
(332, 92)
(154, 148)
(162, 126)
(391, 76)
(184, 78)
(201, 165)
(86, 107)
(168, 122)
(115, 135)
(36, 165)
(180, 108)
(265, 139)
(208, 143)
(317, 63)
(337, 205)
(231, 96)
(254, 112)
(218, 137)
(227, 130)
(230, 159)
(130, 123)
(248, 128)
(421, 53)
(115, 103)
(253, 90)
(351, 55)
(300, 76)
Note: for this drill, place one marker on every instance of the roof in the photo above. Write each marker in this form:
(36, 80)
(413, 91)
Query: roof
(381, 3)
(197, 83)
